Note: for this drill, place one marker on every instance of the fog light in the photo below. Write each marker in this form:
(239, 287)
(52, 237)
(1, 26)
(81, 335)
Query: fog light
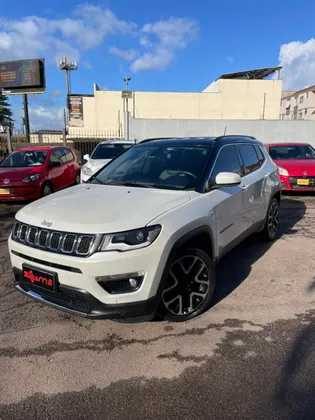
(122, 283)
(133, 283)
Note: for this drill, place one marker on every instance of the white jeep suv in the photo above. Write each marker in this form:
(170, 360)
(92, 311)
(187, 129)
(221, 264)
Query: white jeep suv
(142, 237)
(103, 153)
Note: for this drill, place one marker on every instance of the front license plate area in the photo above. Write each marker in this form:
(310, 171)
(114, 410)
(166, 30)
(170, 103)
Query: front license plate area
(303, 182)
(39, 278)
(4, 191)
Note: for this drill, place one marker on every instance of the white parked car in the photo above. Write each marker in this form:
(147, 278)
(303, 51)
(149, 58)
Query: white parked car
(142, 237)
(101, 155)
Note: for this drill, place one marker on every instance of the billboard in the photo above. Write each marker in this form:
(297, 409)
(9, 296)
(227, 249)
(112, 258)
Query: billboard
(22, 76)
(75, 111)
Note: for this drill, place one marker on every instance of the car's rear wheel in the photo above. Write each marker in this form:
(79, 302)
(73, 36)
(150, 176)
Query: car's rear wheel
(189, 286)
(78, 178)
(271, 228)
(47, 189)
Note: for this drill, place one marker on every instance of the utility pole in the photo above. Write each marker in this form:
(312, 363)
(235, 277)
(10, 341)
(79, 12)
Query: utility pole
(26, 119)
(67, 66)
(127, 116)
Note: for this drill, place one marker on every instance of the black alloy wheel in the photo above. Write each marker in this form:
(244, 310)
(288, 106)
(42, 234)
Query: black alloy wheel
(189, 286)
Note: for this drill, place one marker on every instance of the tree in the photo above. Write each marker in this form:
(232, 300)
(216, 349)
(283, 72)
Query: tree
(6, 114)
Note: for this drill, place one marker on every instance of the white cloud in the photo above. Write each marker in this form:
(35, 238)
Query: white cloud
(34, 36)
(46, 118)
(168, 37)
(229, 58)
(127, 55)
(158, 60)
(298, 64)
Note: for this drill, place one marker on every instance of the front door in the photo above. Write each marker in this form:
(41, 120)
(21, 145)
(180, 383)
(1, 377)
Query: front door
(228, 201)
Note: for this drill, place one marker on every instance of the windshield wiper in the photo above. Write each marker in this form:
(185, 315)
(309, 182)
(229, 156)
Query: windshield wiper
(131, 184)
(94, 178)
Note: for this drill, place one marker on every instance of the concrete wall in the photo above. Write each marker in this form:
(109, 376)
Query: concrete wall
(234, 99)
(265, 131)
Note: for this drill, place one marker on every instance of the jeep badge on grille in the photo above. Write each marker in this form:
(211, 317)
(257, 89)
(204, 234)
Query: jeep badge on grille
(47, 224)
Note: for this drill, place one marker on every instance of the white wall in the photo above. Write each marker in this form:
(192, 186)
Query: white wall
(267, 131)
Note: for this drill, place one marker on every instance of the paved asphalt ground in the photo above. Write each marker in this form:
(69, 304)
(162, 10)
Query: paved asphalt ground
(252, 356)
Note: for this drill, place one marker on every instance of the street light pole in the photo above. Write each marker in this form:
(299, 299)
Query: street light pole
(127, 117)
(26, 119)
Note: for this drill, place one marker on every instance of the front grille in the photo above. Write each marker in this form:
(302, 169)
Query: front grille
(52, 241)
(294, 184)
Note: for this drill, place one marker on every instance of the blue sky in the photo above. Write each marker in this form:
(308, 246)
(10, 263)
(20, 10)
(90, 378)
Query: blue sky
(163, 46)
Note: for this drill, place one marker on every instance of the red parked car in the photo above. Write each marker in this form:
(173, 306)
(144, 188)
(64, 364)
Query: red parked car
(34, 172)
(296, 163)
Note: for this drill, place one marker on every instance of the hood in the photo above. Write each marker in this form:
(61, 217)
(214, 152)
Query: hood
(297, 167)
(96, 164)
(17, 174)
(88, 208)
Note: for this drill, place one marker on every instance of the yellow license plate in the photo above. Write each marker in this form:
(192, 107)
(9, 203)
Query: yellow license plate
(4, 191)
(303, 182)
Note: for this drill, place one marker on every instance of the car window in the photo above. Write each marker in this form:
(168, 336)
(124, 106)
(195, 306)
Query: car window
(109, 150)
(227, 161)
(249, 158)
(68, 156)
(292, 152)
(25, 159)
(56, 156)
(157, 166)
(260, 154)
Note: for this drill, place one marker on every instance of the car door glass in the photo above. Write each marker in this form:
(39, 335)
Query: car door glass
(55, 157)
(227, 161)
(260, 155)
(249, 158)
(68, 155)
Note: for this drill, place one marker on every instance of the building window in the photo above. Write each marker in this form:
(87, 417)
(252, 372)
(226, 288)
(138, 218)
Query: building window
(307, 95)
(301, 99)
(300, 115)
(305, 111)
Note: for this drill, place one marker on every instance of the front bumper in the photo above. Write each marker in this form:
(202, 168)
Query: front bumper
(81, 303)
(79, 276)
(21, 193)
(289, 183)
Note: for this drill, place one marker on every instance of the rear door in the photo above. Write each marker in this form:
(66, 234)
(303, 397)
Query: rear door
(252, 183)
(229, 203)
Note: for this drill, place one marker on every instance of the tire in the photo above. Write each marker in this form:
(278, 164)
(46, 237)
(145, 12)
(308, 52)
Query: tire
(270, 230)
(47, 189)
(78, 178)
(197, 277)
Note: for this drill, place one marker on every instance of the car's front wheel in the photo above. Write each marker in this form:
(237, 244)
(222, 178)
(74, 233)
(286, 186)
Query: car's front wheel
(47, 189)
(271, 227)
(78, 178)
(189, 286)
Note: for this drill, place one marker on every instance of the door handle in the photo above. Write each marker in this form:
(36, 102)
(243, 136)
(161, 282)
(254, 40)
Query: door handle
(244, 187)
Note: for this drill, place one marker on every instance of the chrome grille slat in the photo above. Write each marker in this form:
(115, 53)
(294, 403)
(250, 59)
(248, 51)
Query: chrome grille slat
(80, 245)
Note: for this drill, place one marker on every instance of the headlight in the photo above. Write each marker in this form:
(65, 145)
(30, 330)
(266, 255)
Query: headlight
(87, 171)
(31, 178)
(283, 171)
(133, 239)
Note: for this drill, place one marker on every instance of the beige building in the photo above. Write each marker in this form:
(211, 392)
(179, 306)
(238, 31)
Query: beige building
(241, 96)
(298, 105)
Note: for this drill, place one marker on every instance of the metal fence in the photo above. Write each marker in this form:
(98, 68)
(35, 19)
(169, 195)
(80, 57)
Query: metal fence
(82, 141)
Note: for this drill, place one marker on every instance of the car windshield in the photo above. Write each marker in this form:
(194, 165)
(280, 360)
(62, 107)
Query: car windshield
(292, 152)
(25, 159)
(109, 151)
(157, 166)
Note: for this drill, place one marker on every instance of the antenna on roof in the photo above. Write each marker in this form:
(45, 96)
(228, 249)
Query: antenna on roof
(225, 130)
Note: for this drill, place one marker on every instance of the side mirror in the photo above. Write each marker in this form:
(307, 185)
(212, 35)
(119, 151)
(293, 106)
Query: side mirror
(227, 179)
(86, 157)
